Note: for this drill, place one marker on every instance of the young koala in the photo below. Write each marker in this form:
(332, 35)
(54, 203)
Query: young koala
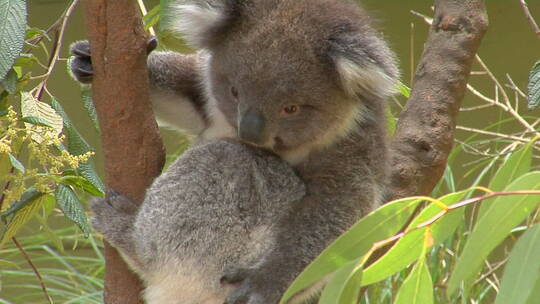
(214, 208)
(304, 79)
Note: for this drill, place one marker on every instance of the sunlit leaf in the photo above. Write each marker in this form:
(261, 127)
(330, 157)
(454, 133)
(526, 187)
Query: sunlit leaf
(506, 213)
(410, 247)
(31, 107)
(344, 286)
(12, 32)
(382, 223)
(28, 196)
(81, 183)
(522, 270)
(16, 163)
(68, 201)
(417, 287)
(514, 166)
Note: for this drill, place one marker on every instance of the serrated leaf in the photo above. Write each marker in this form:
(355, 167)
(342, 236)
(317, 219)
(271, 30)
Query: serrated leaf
(522, 270)
(9, 83)
(534, 87)
(417, 287)
(410, 247)
(21, 218)
(12, 32)
(344, 286)
(31, 107)
(517, 164)
(506, 213)
(382, 223)
(70, 204)
(16, 163)
(77, 146)
(88, 103)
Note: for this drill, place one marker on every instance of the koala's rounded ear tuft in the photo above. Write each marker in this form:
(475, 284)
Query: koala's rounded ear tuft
(202, 22)
(364, 63)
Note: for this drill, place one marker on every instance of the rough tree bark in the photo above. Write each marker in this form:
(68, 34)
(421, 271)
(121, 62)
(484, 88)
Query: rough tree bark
(425, 130)
(133, 150)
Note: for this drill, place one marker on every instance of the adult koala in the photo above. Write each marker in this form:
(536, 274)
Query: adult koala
(305, 79)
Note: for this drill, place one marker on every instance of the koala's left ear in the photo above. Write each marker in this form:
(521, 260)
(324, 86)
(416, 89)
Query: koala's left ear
(364, 63)
(202, 22)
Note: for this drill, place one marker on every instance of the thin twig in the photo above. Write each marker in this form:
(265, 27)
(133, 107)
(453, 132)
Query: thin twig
(36, 272)
(57, 45)
(144, 13)
(501, 135)
(530, 18)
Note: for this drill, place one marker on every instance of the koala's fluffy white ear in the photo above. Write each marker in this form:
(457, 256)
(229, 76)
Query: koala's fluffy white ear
(201, 21)
(365, 64)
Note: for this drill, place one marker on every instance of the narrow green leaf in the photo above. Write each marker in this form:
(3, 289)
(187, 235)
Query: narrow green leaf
(417, 287)
(522, 270)
(12, 32)
(344, 286)
(535, 294)
(410, 247)
(152, 17)
(382, 223)
(506, 213)
(68, 201)
(81, 183)
(404, 90)
(37, 121)
(534, 87)
(517, 164)
(16, 163)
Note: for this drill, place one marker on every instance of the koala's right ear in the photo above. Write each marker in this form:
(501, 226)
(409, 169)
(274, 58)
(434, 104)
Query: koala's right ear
(203, 22)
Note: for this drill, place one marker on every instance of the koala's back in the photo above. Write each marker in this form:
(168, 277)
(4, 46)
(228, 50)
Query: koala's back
(212, 207)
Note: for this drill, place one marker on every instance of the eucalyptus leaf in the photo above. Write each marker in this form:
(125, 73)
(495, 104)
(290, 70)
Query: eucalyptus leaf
(491, 229)
(344, 286)
(522, 270)
(417, 287)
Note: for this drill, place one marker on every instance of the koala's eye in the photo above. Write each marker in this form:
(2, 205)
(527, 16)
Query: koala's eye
(292, 109)
(234, 92)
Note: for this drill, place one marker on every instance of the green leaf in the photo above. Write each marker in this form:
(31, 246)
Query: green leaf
(88, 103)
(70, 204)
(535, 294)
(417, 287)
(81, 183)
(517, 164)
(404, 90)
(16, 163)
(12, 32)
(152, 18)
(522, 270)
(344, 286)
(20, 218)
(380, 224)
(534, 87)
(37, 121)
(391, 122)
(10, 82)
(506, 213)
(411, 246)
(28, 196)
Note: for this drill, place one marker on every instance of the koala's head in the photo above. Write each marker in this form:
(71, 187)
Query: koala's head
(291, 75)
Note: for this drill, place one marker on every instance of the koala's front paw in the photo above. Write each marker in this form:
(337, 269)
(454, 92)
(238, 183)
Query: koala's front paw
(81, 65)
(251, 287)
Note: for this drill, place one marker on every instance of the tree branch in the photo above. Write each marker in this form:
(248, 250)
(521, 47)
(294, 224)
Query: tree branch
(133, 150)
(425, 131)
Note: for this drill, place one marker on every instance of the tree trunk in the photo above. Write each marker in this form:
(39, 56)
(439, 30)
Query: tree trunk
(133, 150)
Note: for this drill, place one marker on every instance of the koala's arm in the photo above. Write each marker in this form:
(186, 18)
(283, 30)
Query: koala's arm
(176, 89)
(114, 217)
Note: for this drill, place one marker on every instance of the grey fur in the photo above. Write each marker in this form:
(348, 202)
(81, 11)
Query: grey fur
(217, 202)
(323, 57)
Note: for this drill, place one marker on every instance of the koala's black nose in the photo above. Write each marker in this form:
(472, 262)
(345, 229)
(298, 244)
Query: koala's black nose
(251, 128)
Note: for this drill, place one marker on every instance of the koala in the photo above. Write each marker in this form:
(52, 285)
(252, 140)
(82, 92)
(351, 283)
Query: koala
(215, 207)
(306, 80)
